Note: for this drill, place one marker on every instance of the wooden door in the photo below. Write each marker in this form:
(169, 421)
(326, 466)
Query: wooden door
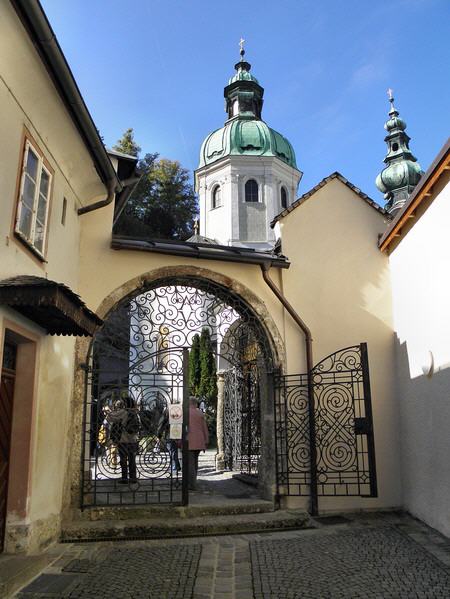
(6, 410)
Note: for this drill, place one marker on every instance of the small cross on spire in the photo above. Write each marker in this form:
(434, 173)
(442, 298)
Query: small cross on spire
(196, 226)
(241, 46)
(390, 94)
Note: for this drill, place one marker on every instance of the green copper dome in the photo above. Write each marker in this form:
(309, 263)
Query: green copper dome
(242, 75)
(246, 137)
(399, 175)
(244, 133)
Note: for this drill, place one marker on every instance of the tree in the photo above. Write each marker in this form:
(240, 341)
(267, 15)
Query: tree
(202, 368)
(163, 205)
(208, 382)
(194, 365)
(127, 145)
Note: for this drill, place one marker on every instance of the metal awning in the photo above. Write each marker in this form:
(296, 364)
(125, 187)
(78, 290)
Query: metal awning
(51, 305)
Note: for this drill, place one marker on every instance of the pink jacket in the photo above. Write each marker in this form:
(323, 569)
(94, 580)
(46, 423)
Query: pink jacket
(198, 431)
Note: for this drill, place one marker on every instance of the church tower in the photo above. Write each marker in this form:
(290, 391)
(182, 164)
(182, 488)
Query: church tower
(247, 172)
(402, 173)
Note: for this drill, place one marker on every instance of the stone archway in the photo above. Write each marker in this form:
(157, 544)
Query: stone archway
(134, 288)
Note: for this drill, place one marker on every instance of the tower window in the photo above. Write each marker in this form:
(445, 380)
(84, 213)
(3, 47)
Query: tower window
(284, 197)
(251, 191)
(216, 197)
(395, 147)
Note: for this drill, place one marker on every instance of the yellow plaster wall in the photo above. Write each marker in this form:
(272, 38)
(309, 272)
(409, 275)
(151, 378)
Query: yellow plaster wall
(28, 100)
(339, 283)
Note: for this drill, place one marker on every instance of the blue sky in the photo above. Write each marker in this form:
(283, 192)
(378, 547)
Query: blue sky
(160, 66)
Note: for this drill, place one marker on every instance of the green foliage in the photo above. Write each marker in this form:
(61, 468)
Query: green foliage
(127, 145)
(194, 365)
(163, 205)
(208, 379)
(202, 369)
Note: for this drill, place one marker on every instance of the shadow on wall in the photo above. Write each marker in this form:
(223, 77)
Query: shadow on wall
(424, 405)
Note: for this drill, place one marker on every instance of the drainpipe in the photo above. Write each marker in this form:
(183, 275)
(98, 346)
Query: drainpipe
(309, 365)
(111, 186)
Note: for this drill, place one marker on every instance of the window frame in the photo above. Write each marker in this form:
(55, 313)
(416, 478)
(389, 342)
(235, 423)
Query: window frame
(216, 188)
(283, 188)
(42, 167)
(250, 179)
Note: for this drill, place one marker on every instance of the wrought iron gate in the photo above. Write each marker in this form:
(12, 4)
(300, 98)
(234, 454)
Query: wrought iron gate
(130, 457)
(343, 439)
(135, 371)
(242, 419)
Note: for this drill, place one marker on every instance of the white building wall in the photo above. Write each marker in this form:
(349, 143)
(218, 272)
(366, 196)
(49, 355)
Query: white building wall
(238, 222)
(421, 304)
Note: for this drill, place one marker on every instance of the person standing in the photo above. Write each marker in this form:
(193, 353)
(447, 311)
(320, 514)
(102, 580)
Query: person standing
(124, 423)
(163, 434)
(198, 438)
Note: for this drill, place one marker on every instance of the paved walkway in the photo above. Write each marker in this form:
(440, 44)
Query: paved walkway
(219, 484)
(364, 556)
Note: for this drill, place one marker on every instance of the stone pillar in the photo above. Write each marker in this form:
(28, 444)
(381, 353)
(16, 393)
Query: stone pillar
(220, 458)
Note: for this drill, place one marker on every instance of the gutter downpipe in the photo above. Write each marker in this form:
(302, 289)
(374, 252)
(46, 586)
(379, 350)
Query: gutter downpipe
(111, 187)
(309, 364)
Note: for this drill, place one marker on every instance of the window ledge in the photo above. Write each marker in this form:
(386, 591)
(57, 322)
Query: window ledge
(24, 241)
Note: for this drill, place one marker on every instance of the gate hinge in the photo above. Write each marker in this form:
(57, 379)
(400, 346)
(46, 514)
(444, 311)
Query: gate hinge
(86, 367)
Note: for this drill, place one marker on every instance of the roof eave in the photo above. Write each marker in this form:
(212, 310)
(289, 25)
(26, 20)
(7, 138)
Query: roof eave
(39, 29)
(322, 183)
(199, 251)
(422, 191)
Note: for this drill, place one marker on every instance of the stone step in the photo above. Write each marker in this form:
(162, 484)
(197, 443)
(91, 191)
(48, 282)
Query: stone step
(154, 528)
(17, 570)
(200, 505)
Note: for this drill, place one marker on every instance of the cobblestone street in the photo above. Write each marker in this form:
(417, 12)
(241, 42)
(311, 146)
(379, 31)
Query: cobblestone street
(372, 555)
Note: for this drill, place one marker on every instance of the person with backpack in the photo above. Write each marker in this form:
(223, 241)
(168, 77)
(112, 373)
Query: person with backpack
(124, 426)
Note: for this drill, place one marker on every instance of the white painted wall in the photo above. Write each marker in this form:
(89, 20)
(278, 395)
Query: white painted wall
(238, 222)
(421, 303)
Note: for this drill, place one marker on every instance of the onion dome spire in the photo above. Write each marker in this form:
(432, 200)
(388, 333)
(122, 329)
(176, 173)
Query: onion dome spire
(402, 173)
(243, 94)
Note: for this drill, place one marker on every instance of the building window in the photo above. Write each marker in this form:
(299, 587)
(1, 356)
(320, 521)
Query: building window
(284, 197)
(251, 191)
(32, 207)
(216, 197)
(64, 212)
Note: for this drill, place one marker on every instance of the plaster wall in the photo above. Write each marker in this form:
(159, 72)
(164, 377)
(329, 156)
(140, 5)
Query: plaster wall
(238, 222)
(29, 103)
(342, 293)
(339, 284)
(421, 299)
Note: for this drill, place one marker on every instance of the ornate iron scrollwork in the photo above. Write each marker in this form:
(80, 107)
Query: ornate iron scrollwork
(136, 358)
(345, 454)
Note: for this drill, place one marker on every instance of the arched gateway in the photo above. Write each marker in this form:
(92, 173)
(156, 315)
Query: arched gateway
(138, 384)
